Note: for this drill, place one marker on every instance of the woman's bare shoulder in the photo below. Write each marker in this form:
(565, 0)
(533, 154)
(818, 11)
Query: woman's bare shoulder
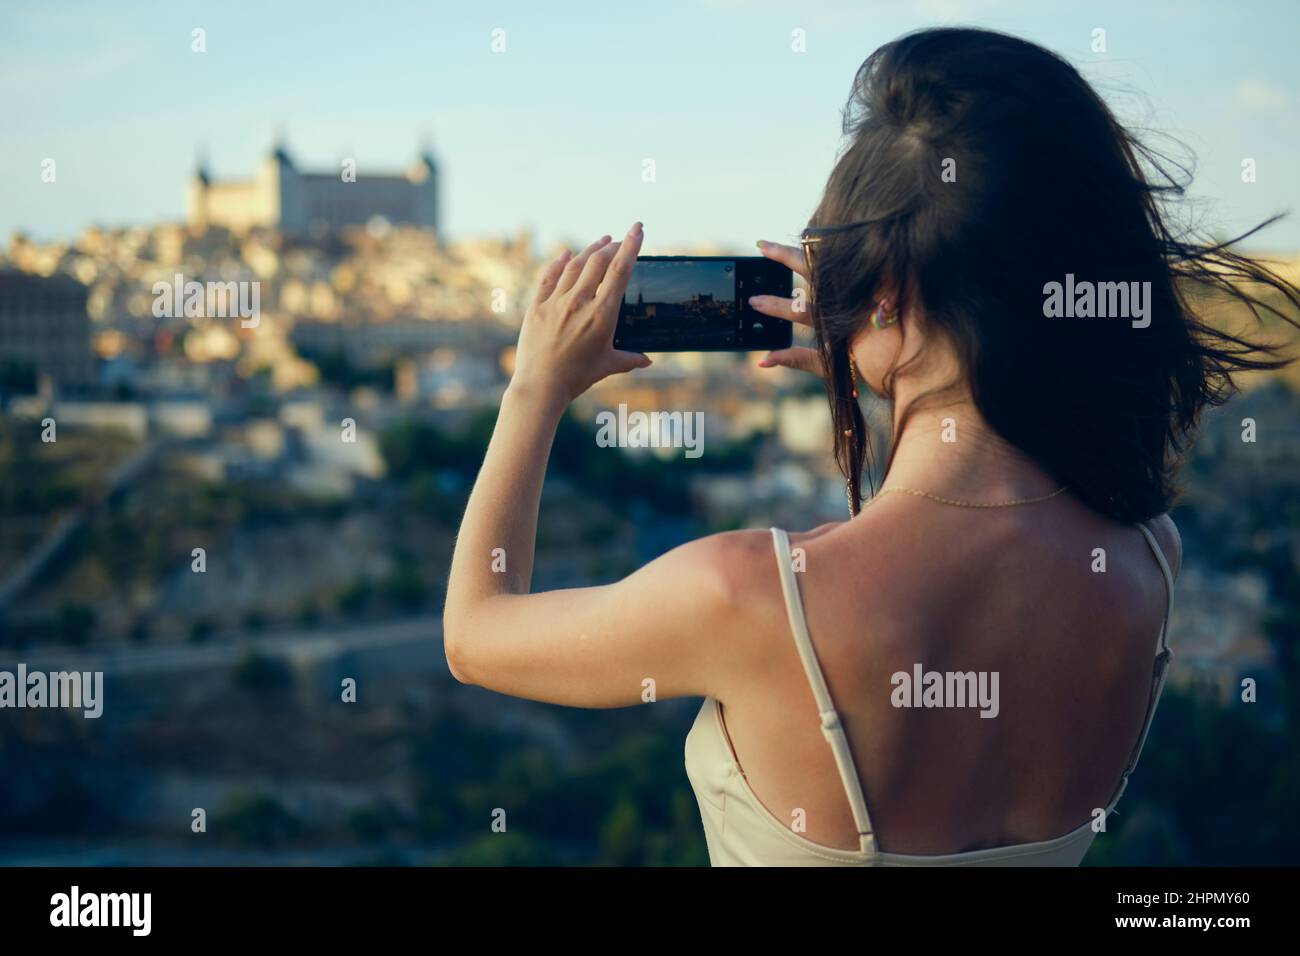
(731, 571)
(740, 569)
(743, 558)
(802, 537)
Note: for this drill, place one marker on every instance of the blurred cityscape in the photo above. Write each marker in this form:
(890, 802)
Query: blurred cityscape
(231, 513)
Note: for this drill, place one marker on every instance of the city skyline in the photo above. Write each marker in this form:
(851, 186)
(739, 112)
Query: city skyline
(742, 130)
(678, 282)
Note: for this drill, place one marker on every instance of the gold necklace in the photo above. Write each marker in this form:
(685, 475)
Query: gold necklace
(952, 501)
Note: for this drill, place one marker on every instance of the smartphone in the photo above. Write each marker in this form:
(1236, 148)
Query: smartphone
(701, 304)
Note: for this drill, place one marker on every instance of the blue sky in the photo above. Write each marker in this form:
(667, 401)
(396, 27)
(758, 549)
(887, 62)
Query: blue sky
(551, 134)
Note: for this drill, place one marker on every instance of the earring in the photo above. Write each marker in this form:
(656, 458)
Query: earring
(884, 316)
(853, 375)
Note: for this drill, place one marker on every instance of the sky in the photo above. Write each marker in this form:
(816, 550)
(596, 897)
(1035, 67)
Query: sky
(552, 134)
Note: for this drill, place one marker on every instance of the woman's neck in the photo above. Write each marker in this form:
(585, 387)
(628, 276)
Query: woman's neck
(950, 450)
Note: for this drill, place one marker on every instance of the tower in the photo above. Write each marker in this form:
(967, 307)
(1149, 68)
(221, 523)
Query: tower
(424, 180)
(196, 192)
(281, 198)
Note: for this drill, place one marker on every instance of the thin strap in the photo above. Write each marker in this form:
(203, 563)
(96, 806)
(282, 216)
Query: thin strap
(1160, 668)
(832, 729)
(1169, 582)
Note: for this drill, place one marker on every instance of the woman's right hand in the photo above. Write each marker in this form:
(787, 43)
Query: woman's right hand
(797, 309)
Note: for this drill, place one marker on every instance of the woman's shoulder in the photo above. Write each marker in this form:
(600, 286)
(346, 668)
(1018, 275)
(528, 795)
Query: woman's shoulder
(740, 571)
(731, 567)
(734, 556)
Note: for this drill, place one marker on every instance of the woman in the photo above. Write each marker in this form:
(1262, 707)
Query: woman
(1018, 547)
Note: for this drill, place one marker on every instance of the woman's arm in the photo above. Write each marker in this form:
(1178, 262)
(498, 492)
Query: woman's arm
(673, 622)
(494, 548)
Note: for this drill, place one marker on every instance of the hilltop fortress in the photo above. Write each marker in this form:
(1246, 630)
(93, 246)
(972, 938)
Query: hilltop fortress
(283, 197)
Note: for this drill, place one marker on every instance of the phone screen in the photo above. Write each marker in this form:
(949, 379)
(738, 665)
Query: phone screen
(685, 301)
(701, 304)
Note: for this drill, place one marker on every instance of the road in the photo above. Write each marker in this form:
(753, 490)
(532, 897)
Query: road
(225, 649)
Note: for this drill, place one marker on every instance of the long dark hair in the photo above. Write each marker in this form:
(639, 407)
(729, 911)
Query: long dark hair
(979, 169)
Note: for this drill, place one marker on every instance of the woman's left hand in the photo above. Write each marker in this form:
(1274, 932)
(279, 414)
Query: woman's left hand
(566, 344)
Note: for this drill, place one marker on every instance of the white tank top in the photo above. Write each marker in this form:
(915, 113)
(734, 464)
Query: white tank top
(741, 831)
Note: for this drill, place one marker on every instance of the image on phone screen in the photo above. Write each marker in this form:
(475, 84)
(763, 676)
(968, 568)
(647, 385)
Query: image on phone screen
(700, 304)
(669, 302)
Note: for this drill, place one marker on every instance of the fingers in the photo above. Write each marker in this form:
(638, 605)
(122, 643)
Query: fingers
(574, 269)
(798, 358)
(618, 274)
(551, 276)
(779, 307)
(789, 256)
(593, 273)
(618, 361)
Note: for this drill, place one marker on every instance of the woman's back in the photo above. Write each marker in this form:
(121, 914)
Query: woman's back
(1057, 655)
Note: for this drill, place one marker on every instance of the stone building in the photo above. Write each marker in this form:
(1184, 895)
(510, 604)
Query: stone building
(44, 333)
(284, 197)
